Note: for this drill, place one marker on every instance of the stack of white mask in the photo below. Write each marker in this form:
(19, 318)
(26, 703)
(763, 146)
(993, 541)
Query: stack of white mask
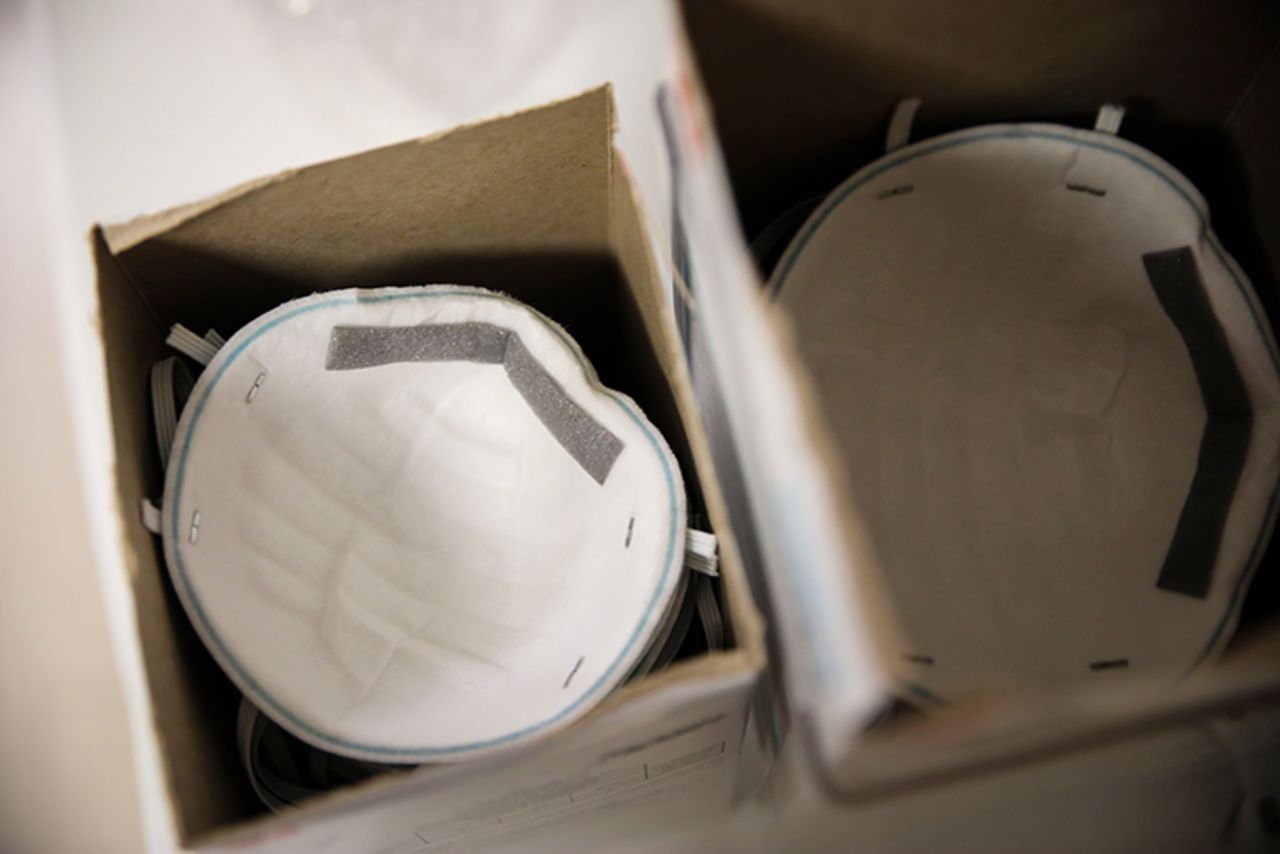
(1057, 397)
(412, 526)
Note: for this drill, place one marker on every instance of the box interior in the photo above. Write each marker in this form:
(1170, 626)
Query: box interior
(531, 205)
(801, 94)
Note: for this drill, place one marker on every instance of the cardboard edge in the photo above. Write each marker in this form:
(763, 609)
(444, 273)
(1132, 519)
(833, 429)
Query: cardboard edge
(875, 602)
(379, 790)
(121, 237)
(116, 570)
(709, 665)
(746, 618)
(1095, 718)
(126, 235)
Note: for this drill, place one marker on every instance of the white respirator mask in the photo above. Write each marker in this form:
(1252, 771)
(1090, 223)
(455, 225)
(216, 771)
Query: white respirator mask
(1057, 397)
(412, 526)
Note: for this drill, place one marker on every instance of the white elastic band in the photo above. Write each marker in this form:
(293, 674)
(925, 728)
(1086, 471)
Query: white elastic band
(171, 384)
(214, 338)
(164, 410)
(190, 344)
(1109, 118)
(899, 133)
(281, 786)
(667, 638)
(150, 516)
(709, 613)
(701, 552)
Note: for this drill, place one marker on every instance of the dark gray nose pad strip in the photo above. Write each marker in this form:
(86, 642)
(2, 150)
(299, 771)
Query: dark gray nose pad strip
(1224, 445)
(585, 439)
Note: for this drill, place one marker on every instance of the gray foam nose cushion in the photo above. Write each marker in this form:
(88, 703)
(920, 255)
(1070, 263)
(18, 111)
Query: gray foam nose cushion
(1057, 400)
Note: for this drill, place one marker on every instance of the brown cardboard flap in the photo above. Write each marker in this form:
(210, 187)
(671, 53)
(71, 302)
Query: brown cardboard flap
(534, 183)
(552, 158)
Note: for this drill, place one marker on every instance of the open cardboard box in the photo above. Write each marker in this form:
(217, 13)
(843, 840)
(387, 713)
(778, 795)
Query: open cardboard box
(537, 205)
(799, 95)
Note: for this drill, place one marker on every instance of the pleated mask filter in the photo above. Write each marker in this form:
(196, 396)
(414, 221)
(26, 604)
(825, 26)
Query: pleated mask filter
(412, 526)
(1057, 397)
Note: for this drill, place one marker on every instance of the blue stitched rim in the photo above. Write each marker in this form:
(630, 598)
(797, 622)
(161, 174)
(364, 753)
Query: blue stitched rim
(1087, 139)
(250, 686)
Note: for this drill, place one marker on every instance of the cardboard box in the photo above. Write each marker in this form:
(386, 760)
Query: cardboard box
(801, 92)
(538, 205)
(799, 95)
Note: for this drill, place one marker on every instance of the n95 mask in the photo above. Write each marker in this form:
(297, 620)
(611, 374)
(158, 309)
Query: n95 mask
(411, 525)
(1057, 399)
